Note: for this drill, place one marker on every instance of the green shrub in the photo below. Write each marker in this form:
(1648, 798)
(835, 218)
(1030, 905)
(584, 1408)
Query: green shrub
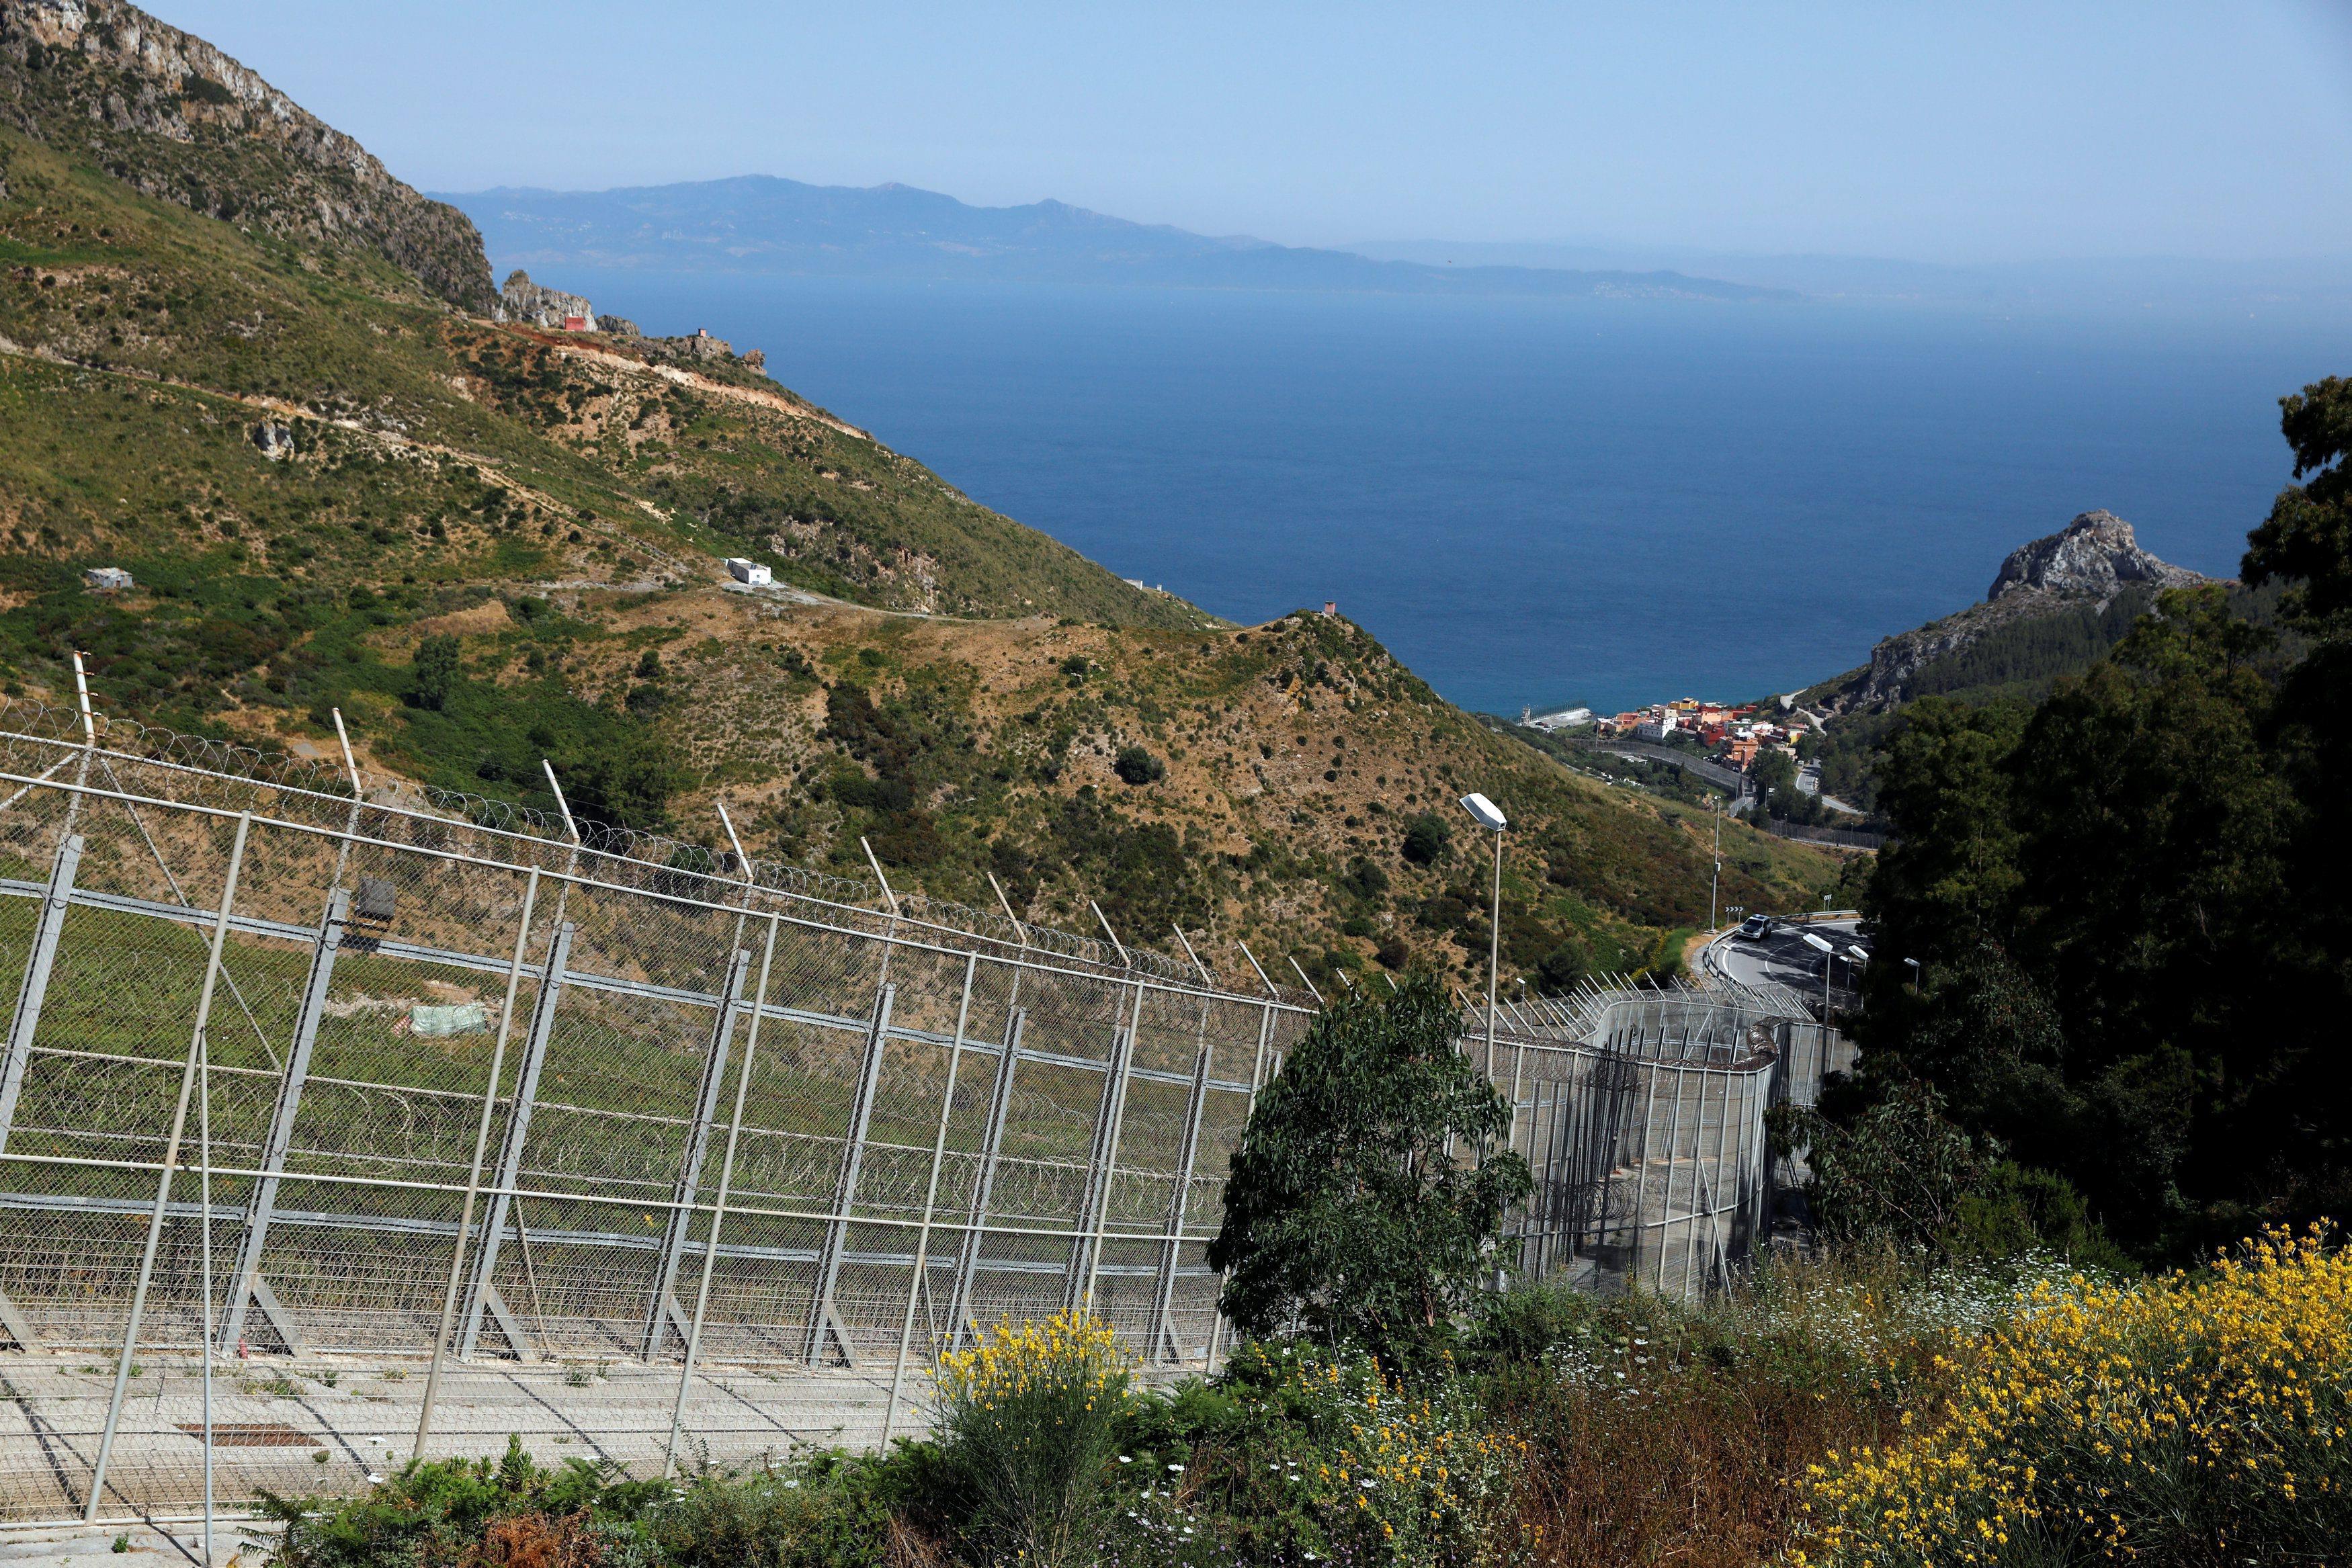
(1345, 1213)
(1425, 837)
(831, 1510)
(434, 678)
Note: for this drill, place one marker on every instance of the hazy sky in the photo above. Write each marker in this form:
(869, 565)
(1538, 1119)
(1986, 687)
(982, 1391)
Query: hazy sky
(1975, 131)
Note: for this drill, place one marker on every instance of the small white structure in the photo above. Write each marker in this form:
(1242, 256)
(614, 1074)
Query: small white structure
(107, 579)
(749, 572)
(1563, 718)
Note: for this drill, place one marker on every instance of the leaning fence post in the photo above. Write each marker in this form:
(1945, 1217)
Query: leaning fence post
(1257, 1075)
(718, 1204)
(824, 1311)
(164, 1181)
(89, 743)
(697, 1144)
(474, 1176)
(1180, 1201)
(36, 989)
(1110, 1150)
(247, 1282)
(534, 1058)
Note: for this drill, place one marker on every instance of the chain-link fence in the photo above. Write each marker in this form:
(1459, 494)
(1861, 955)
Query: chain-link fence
(439, 1125)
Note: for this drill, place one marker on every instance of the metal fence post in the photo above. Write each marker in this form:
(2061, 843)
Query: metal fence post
(163, 1180)
(1178, 1203)
(246, 1283)
(474, 1173)
(1674, 1157)
(1652, 1070)
(915, 1281)
(1123, 1048)
(534, 1058)
(663, 1307)
(823, 1312)
(1257, 1075)
(718, 1204)
(36, 988)
(1000, 1102)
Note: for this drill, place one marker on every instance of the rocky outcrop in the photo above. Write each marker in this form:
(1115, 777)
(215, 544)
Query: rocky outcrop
(175, 119)
(2094, 558)
(520, 299)
(2086, 565)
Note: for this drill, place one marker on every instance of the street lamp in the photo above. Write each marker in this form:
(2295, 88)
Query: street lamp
(1489, 815)
(1715, 881)
(1828, 957)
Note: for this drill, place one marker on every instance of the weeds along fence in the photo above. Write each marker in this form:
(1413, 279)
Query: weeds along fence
(436, 1123)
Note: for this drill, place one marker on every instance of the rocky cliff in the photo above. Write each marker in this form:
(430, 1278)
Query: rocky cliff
(2088, 581)
(2096, 556)
(178, 120)
(520, 299)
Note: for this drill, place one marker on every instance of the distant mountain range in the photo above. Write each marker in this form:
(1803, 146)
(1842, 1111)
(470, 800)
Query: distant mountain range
(2112, 283)
(760, 224)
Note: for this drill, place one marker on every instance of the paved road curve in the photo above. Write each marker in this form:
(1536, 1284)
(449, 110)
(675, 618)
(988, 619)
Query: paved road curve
(1786, 959)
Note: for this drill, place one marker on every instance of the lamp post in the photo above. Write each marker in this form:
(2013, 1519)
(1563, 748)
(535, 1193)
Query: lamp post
(1489, 815)
(1715, 881)
(1828, 957)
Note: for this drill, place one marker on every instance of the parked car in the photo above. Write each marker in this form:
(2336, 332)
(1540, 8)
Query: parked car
(1756, 927)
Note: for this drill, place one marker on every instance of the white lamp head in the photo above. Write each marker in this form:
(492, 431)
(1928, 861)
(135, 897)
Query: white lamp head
(1816, 944)
(1487, 815)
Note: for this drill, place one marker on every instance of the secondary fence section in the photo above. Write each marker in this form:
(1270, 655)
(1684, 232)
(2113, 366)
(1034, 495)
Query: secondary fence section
(1641, 1116)
(439, 1125)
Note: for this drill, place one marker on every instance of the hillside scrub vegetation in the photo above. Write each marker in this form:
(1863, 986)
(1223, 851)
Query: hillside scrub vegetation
(1862, 1411)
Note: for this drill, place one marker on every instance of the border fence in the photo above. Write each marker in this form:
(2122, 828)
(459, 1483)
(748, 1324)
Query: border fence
(436, 1122)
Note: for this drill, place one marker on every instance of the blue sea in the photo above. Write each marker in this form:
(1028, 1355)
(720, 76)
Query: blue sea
(1539, 501)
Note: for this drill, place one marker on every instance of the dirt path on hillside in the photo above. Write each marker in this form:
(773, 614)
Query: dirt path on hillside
(776, 402)
(282, 409)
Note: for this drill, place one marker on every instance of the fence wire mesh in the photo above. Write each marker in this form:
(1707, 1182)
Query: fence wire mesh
(437, 1130)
